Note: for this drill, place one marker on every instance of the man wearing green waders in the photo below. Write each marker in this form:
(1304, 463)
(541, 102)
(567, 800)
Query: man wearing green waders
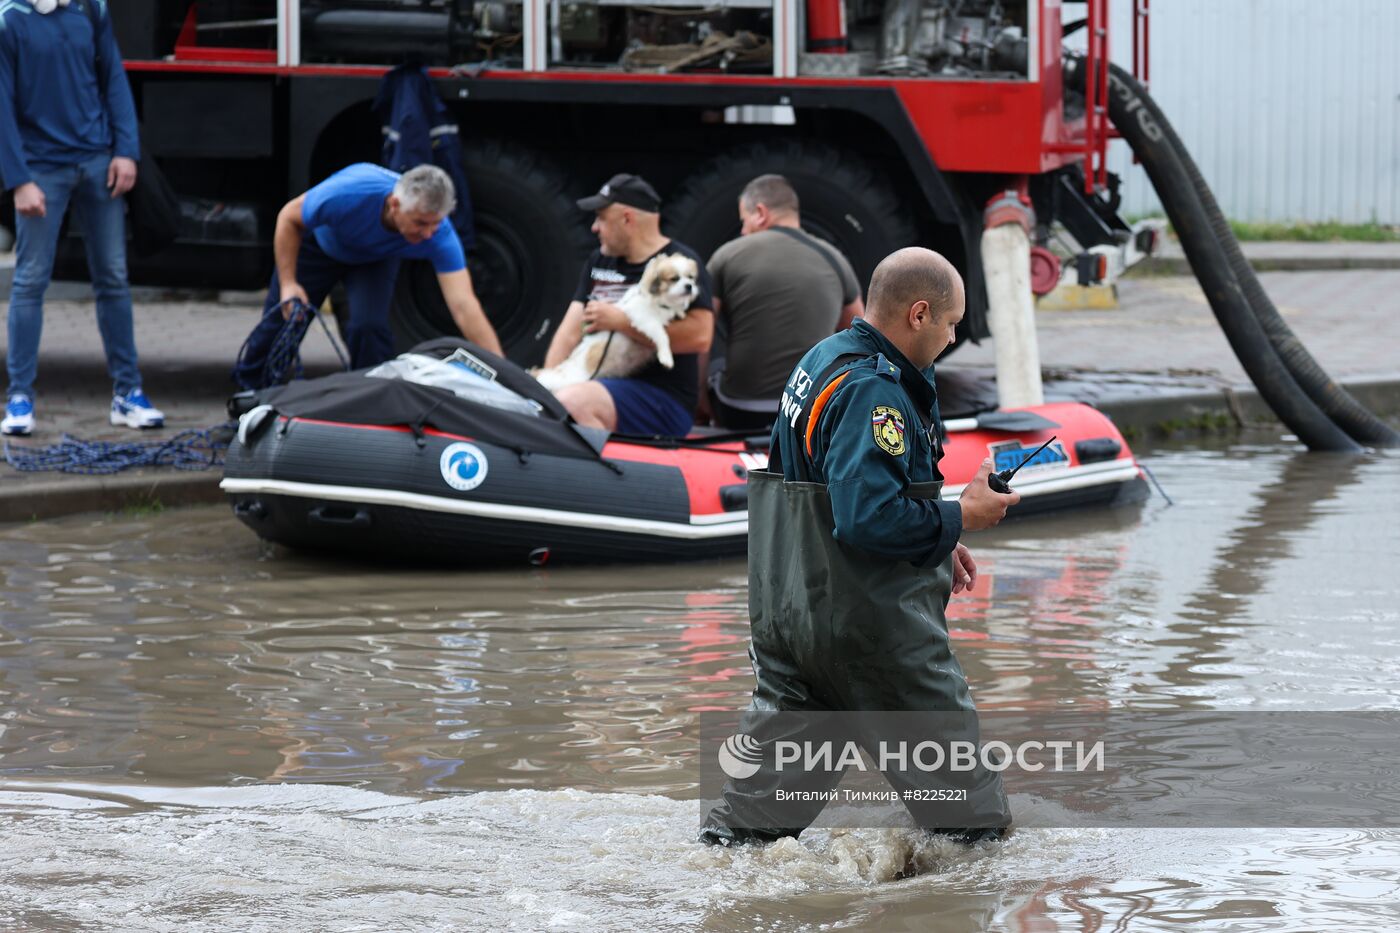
(853, 557)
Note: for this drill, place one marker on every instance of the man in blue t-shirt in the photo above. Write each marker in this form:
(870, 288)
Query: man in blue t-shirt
(362, 221)
(67, 138)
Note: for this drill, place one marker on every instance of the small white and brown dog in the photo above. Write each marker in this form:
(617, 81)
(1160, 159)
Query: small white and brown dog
(664, 294)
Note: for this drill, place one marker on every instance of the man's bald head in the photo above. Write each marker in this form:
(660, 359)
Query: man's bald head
(909, 275)
(916, 300)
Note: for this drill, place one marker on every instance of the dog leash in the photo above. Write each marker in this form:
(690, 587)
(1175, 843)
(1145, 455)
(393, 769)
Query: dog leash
(602, 357)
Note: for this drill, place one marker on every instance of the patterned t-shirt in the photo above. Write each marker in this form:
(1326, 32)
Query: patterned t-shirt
(607, 278)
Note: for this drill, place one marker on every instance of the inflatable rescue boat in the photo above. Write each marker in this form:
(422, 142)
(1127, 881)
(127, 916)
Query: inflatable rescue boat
(452, 455)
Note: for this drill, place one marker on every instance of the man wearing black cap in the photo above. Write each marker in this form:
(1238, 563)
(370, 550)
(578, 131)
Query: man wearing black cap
(627, 222)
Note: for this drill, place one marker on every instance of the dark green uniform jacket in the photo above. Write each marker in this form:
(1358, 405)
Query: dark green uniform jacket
(873, 437)
(850, 570)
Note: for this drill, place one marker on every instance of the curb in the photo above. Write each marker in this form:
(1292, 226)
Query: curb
(67, 290)
(1211, 410)
(1177, 265)
(140, 489)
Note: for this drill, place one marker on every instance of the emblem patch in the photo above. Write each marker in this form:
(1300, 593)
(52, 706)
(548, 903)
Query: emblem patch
(888, 425)
(463, 466)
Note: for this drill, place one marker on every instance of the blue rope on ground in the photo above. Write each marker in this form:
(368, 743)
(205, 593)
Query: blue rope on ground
(188, 450)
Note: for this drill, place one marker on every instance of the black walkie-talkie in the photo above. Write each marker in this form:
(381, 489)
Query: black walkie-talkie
(1001, 482)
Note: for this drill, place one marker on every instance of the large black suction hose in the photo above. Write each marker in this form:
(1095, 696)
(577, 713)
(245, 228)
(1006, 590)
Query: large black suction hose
(1276, 385)
(1339, 405)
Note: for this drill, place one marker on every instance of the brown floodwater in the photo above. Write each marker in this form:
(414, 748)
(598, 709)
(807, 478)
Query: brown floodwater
(197, 730)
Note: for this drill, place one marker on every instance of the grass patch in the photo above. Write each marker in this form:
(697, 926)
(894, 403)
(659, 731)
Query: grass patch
(1316, 233)
(1208, 422)
(141, 508)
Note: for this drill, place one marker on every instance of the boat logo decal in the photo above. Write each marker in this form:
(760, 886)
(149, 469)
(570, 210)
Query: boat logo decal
(1007, 454)
(463, 466)
(888, 426)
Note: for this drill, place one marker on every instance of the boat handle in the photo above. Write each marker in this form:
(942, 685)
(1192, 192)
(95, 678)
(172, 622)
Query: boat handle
(339, 516)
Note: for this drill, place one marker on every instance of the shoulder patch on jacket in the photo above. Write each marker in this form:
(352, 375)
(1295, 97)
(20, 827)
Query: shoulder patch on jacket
(887, 424)
(884, 367)
(13, 6)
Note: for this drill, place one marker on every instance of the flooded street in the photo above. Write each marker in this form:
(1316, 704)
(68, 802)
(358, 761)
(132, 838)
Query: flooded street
(197, 731)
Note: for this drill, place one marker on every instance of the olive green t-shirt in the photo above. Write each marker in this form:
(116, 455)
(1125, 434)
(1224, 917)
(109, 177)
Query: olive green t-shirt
(778, 298)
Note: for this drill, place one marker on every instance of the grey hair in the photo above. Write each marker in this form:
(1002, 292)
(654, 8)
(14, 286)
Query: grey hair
(773, 191)
(426, 188)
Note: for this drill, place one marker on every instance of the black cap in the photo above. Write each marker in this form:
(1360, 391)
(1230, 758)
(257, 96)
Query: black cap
(631, 190)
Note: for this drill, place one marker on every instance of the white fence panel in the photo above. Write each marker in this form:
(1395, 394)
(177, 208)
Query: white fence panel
(1291, 108)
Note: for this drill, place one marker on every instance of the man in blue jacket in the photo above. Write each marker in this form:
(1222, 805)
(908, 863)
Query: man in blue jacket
(354, 228)
(67, 137)
(853, 554)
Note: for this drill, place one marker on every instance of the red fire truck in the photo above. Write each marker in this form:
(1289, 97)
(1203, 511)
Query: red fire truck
(896, 120)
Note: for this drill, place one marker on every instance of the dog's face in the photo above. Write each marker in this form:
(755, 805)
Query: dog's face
(671, 282)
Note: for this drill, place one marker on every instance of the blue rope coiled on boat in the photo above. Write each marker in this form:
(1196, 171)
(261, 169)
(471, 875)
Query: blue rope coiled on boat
(188, 450)
(283, 362)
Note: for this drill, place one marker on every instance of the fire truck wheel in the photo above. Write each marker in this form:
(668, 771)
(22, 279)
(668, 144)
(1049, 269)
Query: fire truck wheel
(7, 221)
(529, 247)
(845, 201)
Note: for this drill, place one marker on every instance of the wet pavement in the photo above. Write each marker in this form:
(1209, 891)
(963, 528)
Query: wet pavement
(187, 348)
(1164, 338)
(200, 729)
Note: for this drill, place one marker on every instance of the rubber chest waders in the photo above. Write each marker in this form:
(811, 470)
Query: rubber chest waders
(836, 628)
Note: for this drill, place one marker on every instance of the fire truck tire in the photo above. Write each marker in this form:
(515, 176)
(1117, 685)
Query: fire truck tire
(845, 200)
(7, 221)
(530, 244)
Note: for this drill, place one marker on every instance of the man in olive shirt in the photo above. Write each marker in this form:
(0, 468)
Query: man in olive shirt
(778, 292)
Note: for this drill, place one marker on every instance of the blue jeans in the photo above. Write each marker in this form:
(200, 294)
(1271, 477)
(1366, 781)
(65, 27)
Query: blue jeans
(369, 290)
(102, 219)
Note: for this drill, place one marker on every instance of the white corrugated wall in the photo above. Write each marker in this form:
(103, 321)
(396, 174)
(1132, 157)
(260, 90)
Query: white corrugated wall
(1291, 108)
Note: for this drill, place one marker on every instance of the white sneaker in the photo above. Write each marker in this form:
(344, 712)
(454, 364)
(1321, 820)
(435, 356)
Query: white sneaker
(19, 416)
(134, 410)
